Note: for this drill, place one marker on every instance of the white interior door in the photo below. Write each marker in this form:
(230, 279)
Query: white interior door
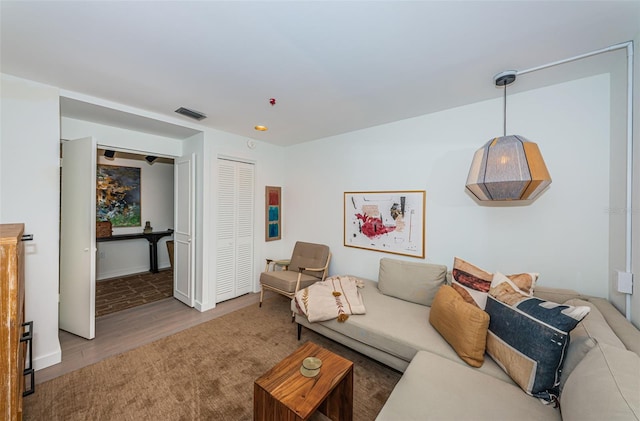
(244, 232)
(78, 238)
(184, 256)
(234, 233)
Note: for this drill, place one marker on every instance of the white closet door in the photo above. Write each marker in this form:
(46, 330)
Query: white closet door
(244, 232)
(235, 193)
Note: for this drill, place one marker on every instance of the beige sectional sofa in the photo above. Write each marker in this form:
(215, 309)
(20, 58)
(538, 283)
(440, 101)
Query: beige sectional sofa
(602, 362)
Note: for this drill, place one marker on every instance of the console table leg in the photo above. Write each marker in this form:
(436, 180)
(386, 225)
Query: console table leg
(153, 256)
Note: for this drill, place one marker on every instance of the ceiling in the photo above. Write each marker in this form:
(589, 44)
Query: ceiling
(332, 66)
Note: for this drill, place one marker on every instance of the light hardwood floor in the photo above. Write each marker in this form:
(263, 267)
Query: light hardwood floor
(128, 329)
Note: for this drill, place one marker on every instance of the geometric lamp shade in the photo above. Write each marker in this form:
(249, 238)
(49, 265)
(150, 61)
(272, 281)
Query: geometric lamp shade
(508, 168)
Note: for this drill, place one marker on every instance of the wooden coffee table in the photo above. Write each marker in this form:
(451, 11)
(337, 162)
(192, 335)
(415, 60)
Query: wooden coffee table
(284, 394)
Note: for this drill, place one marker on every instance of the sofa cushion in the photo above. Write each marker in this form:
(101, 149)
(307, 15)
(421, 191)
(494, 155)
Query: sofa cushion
(578, 348)
(594, 326)
(625, 331)
(462, 325)
(411, 281)
(604, 386)
(434, 388)
(528, 338)
(557, 295)
(286, 280)
(472, 279)
(398, 328)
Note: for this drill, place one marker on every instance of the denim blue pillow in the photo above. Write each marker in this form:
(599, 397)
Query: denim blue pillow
(528, 338)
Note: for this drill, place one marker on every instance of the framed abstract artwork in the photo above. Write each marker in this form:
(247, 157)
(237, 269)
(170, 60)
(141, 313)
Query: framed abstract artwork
(273, 212)
(118, 195)
(387, 221)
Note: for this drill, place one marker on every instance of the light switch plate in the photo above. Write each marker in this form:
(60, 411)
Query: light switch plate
(625, 282)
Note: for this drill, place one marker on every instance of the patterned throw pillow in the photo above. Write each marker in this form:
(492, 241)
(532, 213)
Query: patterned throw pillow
(471, 282)
(528, 337)
(520, 285)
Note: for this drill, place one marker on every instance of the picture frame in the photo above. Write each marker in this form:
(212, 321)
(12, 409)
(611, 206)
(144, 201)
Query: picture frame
(273, 213)
(118, 195)
(386, 221)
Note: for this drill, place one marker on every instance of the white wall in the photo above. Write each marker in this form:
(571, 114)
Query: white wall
(194, 146)
(563, 235)
(635, 298)
(119, 138)
(29, 193)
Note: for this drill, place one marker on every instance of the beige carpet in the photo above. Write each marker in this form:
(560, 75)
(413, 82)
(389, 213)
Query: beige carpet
(203, 373)
(118, 294)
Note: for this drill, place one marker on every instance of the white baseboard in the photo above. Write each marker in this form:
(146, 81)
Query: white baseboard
(45, 361)
(203, 307)
(128, 271)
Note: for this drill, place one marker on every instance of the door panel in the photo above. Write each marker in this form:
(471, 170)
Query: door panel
(225, 224)
(184, 257)
(78, 238)
(244, 233)
(234, 223)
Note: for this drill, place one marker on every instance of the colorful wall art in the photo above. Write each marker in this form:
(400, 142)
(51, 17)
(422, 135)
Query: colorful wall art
(387, 221)
(273, 211)
(118, 195)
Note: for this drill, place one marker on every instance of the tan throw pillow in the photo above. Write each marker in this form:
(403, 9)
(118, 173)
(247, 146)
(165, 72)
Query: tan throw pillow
(470, 278)
(463, 325)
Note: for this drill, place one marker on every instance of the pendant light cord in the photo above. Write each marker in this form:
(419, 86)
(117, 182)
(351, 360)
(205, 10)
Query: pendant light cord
(504, 112)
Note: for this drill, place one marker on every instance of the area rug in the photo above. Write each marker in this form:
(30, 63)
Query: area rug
(203, 373)
(118, 294)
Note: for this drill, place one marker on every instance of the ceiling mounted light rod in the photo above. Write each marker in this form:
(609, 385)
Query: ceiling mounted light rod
(503, 79)
(626, 45)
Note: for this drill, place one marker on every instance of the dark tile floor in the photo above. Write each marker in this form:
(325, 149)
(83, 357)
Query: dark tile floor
(130, 291)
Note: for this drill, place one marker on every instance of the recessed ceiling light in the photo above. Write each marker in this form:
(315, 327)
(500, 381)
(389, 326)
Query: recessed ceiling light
(261, 128)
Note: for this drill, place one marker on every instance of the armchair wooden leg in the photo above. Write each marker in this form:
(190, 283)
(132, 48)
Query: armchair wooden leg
(261, 295)
(299, 330)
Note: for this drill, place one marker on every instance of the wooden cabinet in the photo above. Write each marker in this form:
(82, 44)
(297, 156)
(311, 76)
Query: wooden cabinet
(12, 350)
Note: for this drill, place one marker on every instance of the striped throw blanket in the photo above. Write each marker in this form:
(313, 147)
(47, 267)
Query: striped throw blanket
(336, 296)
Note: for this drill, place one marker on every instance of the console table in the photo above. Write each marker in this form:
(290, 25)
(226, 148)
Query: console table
(151, 237)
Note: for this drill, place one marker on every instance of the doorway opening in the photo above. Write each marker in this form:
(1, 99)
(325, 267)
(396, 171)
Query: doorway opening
(133, 271)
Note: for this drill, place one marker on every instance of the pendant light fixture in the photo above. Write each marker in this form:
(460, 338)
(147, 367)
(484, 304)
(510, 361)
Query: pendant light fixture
(507, 167)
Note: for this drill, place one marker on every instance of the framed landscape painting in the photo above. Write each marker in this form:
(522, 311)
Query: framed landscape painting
(387, 221)
(118, 195)
(272, 213)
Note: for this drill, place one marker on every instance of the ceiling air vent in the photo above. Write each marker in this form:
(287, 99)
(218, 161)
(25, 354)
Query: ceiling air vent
(190, 113)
